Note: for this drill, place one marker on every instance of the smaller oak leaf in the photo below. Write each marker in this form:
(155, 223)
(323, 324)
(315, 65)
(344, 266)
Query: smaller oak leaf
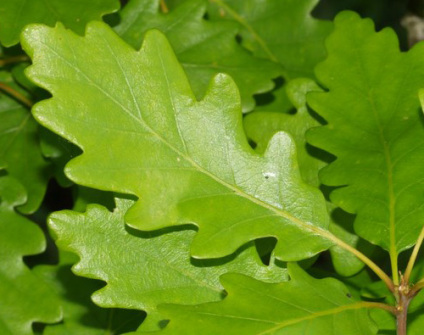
(303, 305)
(143, 270)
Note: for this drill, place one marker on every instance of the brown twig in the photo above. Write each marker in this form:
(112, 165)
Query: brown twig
(18, 96)
(14, 59)
(163, 7)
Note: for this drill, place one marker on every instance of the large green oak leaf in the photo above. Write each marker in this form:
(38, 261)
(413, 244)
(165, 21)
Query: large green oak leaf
(204, 48)
(16, 14)
(304, 305)
(143, 132)
(24, 298)
(375, 130)
(143, 270)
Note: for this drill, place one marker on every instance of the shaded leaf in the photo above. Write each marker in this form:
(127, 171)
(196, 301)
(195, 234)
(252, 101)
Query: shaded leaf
(59, 152)
(20, 151)
(16, 14)
(303, 305)
(143, 132)
(143, 270)
(375, 130)
(84, 196)
(24, 298)
(80, 315)
(283, 31)
(204, 48)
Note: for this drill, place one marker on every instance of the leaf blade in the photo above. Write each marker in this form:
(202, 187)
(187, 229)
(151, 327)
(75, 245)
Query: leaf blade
(108, 251)
(286, 308)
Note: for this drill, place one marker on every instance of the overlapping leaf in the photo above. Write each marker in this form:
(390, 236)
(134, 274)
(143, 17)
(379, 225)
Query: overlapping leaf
(280, 30)
(20, 151)
(203, 48)
(143, 270)
(303, 305)
(375, 130)
(143, 132)
(16, 14)
(261, 126)
(24, 298)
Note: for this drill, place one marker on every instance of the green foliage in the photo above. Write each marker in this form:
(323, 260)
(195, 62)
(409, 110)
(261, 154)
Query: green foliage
(203, 48)
(201, 145)
(73, 13)
(267, 30)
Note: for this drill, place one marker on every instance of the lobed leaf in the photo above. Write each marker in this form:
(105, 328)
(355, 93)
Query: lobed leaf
(374, 129)
(143, 270)
(303, 305)
(143, 132)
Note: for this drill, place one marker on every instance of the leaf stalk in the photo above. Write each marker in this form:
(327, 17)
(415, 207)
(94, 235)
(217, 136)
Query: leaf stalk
(14, 59)
(374, 267)
(414, 255)
(164, 7)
